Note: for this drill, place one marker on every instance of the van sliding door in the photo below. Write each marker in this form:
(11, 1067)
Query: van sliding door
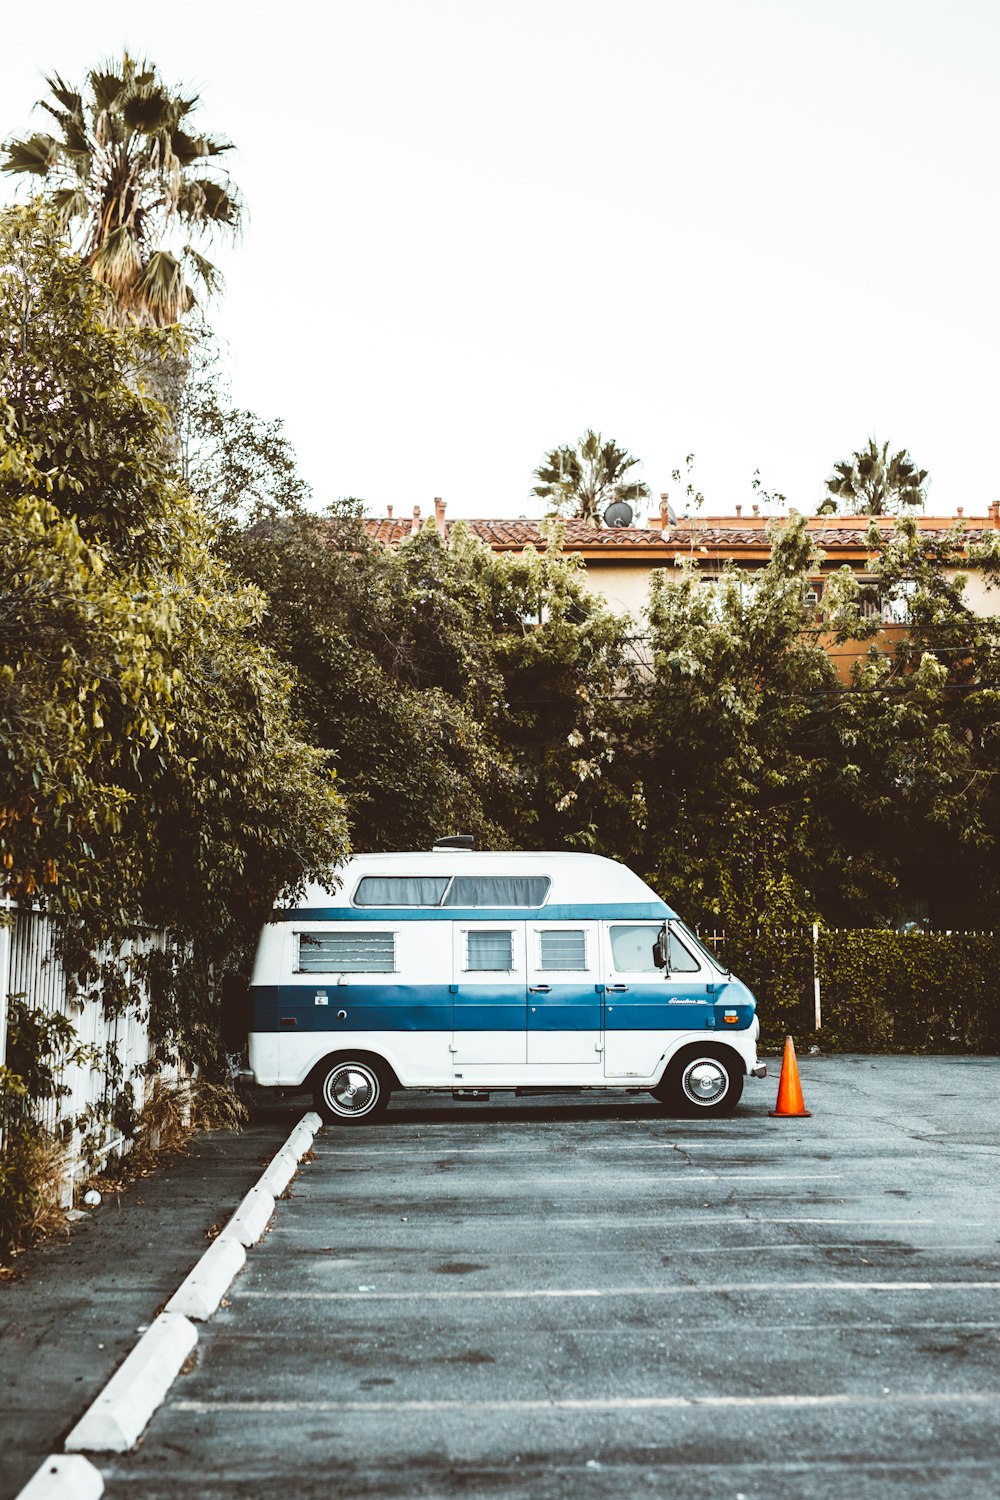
(489, 993)
(564, 999)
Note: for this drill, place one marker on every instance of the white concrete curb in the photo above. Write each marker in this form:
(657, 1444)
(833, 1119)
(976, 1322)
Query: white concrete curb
(64, 1477)
(251, 1218)
(301, 1137)
(200, 1293)
(280, 1173)
(115, 1420)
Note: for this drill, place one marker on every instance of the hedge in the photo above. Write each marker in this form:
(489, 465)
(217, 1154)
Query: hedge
(880, 991)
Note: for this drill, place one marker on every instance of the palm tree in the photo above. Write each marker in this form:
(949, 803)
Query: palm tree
(125, 168)
(875, 483)
(584, 479)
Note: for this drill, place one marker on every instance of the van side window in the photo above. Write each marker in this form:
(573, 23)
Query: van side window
(400, 890)
(632, 952)
(498, 890)
(632, 949)
(490, 951)
(563, 949)
(347, 952)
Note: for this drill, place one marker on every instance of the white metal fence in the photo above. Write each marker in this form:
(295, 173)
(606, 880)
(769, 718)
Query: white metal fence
(109, 1046)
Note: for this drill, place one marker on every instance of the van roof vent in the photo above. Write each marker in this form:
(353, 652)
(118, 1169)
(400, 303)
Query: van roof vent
(455, 841)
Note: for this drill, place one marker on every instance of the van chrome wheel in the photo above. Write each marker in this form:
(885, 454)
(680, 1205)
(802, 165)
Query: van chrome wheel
(704, 1081)
(350, 1091)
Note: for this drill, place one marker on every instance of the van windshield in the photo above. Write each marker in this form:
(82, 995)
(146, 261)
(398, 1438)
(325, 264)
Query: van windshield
(700, 947)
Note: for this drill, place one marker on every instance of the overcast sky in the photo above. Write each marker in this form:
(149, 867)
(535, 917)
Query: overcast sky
(755, 230)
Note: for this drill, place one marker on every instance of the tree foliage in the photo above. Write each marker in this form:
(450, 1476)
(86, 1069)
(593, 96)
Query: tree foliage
(458, 690)
(583, 480)
(150, 768)
(875, 482)
(142, 188)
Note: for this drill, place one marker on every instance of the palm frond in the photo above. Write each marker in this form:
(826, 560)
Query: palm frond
(75, 141)
(215, 147)
(38, 154)
(106, 87)
(148, 111)
(160, 294)
(67, 97)
(70, 203)
(186, 148)
(117, 261)
(209, 275)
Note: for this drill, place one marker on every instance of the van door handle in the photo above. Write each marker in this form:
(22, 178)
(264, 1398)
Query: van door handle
(616, 989)
(539, 989)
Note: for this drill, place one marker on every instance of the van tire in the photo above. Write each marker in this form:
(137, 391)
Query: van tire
(702, 1081)
(351, 1090)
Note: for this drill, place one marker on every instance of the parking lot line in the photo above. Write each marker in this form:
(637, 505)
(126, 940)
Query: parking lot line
(608, 1403)
(736, 1217)
(701, 1289)
(680, 1179)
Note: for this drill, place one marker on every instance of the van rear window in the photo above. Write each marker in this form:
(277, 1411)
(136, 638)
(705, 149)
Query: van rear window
(347, 952)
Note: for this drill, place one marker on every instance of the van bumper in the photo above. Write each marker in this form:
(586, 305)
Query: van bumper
(759, 1070)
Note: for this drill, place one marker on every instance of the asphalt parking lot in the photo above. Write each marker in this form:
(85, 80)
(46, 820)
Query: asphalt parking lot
(587, 1297)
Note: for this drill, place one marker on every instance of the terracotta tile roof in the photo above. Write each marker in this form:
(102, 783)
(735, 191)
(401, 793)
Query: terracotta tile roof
(388, 529)
(513, 535)
(578, 534)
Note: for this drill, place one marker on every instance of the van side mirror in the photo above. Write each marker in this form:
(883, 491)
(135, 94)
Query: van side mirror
(660, 953)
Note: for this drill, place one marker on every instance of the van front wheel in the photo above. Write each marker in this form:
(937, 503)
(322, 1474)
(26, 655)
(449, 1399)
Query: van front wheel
(351, 1091)
(702, 1081)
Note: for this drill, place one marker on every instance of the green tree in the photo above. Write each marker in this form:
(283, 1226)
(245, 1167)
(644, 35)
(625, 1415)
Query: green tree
(875, 482)
(732, 741)
(458, 690)
(240, 466)
(582, 481)
(921, 728)
(150, 768)
(126, 169)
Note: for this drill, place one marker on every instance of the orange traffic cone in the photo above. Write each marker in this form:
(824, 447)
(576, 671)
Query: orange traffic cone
(790, 1100)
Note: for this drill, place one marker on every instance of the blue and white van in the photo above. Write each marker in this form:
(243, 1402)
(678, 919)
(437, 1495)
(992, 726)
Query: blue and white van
(466, 972)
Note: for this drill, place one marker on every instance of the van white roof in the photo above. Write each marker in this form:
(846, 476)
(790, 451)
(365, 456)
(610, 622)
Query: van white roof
(577, 879)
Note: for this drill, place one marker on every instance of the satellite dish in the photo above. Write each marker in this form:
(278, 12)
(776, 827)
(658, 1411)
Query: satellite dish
(618, 513)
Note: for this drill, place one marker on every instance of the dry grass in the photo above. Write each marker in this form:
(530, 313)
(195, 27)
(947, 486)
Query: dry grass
(33, 1169)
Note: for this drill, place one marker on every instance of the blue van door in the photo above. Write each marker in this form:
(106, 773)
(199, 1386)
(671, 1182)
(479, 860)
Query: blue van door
(489, 992)
(564, 993)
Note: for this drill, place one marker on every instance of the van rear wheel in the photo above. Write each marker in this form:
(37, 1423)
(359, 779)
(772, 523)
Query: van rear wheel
(702, 1081)
(351, 1091)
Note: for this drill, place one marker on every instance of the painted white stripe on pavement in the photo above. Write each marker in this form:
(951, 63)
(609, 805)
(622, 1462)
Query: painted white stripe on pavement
(609, 1403)
(727, 1288)
(736, 1219)
(696, 1178)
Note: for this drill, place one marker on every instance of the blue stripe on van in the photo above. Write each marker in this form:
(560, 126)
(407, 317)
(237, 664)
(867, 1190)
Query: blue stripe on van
(481, 1007)
(609, 911)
